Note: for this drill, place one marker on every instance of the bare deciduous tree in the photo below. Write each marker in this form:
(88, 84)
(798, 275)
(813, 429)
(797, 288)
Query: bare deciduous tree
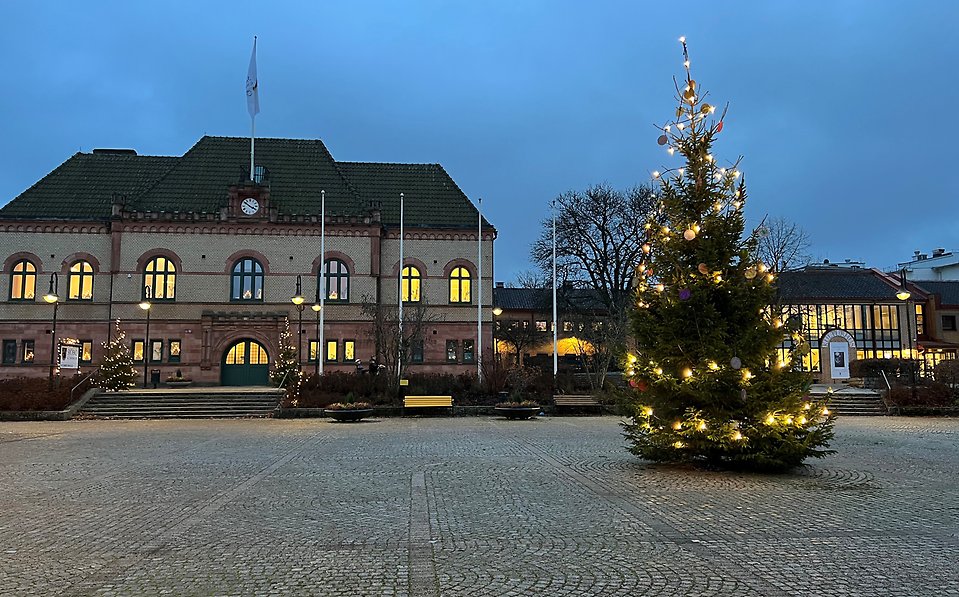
(392, 349)
(599, 238)
(783, 245)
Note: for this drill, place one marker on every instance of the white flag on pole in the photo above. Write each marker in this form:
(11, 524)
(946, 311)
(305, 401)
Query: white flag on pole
(252, 86)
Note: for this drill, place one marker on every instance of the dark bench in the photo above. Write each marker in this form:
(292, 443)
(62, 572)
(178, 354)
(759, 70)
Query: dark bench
(575, 401)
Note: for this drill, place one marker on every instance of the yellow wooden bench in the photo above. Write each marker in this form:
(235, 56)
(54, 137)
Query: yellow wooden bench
(427, 402)
(575, 401)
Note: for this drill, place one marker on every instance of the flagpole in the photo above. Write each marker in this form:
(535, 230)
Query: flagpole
(321, 347)
(555, 356)
(399, 296)
(252, 103)
(479, 294)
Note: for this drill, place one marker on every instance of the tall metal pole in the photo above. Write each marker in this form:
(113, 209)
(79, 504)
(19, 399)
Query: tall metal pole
(324, 282)
(555, 343)
(147, 348)
(316, 334)
(479, 293)
(53, 345)
(399, 356)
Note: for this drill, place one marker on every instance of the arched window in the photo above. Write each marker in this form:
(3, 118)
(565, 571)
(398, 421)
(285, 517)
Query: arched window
(159, 279)
(23, 281)
(460, 285)
(247, 280)
(338, 282)
(410, 287)
(81, 281)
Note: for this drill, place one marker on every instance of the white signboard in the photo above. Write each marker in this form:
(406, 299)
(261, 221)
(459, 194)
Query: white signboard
(839, 360)
(69, 357)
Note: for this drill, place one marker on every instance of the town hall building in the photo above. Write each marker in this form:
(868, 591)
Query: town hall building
(217, 258)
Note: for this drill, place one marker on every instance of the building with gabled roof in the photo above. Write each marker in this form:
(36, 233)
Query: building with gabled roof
(219, 256)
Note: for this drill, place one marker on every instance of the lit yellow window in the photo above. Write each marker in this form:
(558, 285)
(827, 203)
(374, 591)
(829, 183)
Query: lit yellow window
(314, 348)
(138, 350)
(81, 281)
(331, 346)
(460, 285)
(23, 281)
(411, 284)
(159, 279)
(349, 350)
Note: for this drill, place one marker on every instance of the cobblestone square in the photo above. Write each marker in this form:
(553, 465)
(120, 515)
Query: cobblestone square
(464, 507)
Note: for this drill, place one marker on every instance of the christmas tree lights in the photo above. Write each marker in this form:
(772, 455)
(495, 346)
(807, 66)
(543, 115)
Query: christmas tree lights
(117, 371)
(709, 383)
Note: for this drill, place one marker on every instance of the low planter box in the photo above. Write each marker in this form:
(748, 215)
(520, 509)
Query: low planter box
(517, 412)
(179, 384)
(346, 415)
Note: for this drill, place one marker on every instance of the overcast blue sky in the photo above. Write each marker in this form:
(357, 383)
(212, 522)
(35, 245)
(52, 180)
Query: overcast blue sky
(844, 110)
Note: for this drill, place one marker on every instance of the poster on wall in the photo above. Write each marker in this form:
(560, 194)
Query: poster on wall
(69, 357)
(839, 361)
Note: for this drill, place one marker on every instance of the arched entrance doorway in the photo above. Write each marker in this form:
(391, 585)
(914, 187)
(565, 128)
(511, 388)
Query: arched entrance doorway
(245, 363)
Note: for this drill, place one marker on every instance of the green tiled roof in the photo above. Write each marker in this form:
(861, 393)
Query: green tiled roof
(297, 169)
(83, 186)
(431, 198)
(834, 283)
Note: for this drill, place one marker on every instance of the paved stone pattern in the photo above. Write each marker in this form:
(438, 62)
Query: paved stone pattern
(464, 507)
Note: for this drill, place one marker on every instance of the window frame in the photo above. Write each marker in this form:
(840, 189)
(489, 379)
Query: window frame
(471, 351)
(951, 318)
(133, 349)
(239, 274)
(13, 354)
(455, 346)
(411, 278)
(459, 279)
(83, 343)
(340, 278)
(23, 352)
(416, 351)
(24, 275)
(153, 344)
(312, 350)
(336, 351)
(349, 350)
(81, 275)
(169, 271)
(174, 358)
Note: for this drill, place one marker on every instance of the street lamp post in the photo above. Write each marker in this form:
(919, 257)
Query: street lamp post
(904, 296)
(298, 300)
(316, 309)
(497, 311)
(146, 305)
(52, 298)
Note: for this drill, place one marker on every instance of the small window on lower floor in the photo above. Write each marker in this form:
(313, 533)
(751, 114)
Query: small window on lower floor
(313, 350)
(331, 349)
(349, 350)
(540, 326)
(416, 351)
(452, 350)
(9, 352)
(469, 354)
(156, 351)
(86, 351)
(174, 351)
(138, 350)
(27, 351)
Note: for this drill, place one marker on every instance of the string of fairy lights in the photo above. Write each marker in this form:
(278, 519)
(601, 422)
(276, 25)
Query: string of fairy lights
(688, 134)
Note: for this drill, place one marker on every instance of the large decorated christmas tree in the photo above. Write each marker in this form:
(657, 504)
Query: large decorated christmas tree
(710, 384)
(286, 371)
(117, 371)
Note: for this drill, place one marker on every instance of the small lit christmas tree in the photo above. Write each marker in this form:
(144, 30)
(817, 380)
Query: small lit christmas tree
(286, 369)
(710, 383)
(117, 371)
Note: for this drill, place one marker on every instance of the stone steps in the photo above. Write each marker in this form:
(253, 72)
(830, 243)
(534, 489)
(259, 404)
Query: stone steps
(182, 404)
(856, 404)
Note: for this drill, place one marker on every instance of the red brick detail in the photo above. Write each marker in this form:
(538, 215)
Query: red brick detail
(334, 255)
(79, 256)
(13, 259)
(409, 261)
(460, 263)
(232, 259)
(159, 252)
